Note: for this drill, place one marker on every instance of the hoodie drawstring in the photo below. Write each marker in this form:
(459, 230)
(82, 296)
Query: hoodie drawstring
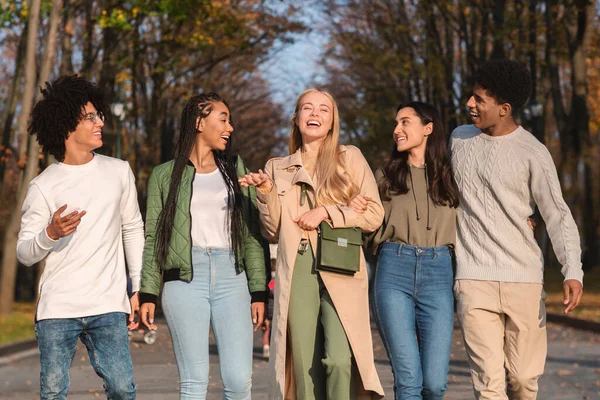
(415, 196)
(427, 190)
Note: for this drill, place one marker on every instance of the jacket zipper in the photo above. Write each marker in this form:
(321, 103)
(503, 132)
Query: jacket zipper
(190, 211)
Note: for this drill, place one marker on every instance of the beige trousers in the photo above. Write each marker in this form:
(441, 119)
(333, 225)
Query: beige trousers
(504, 329)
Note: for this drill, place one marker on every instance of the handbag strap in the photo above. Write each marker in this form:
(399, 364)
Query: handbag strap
(304, 196)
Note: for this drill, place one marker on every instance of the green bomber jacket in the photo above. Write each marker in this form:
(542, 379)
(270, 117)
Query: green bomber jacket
(179, 260)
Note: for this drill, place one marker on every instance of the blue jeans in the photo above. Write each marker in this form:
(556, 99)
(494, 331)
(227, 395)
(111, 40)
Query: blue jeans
(414, 307)
(219, 297)
(105, 337)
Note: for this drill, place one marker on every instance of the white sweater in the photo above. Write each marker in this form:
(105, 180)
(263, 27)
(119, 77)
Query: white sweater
(85, 272)
(500, 181)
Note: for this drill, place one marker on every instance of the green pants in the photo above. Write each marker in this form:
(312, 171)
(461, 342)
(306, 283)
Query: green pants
(320, 350)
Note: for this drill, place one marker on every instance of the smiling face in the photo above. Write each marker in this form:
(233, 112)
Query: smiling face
(87, 136)
(215, 129)
(410, 134)
(485, 112)
(314, 116)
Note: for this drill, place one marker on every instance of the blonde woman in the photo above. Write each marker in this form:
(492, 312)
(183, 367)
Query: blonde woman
(322, 346)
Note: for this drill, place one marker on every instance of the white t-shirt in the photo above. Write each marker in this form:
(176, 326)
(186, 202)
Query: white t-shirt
(85, 272)
(210, 210)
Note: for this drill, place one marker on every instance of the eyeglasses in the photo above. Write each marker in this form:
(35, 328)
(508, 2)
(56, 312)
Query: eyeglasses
(94, 117)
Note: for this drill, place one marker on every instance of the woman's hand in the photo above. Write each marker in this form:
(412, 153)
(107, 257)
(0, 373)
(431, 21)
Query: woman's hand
(258, 314)
(147, 315)
(360, 203)
(260, 180)
(310, 220)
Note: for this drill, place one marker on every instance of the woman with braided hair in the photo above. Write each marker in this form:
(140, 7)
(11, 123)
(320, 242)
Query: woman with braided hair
(202, 235)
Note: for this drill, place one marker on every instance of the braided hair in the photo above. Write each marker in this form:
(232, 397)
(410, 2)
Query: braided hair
(196, 108)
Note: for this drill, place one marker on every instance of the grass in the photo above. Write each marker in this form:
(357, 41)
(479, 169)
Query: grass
(19, 324)
(589, 308)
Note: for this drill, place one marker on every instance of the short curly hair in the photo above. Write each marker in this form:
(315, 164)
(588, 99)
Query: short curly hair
(58, 113)
(507, 81)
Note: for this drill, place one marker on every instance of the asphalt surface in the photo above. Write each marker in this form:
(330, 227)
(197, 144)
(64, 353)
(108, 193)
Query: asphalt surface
(572, 370)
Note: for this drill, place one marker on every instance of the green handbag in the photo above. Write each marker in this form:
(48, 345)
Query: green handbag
(338, 249)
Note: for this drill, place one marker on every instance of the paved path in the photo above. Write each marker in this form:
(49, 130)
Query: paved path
(572, 371)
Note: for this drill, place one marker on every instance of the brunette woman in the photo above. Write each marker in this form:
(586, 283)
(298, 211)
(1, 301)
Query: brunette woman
(412, 287)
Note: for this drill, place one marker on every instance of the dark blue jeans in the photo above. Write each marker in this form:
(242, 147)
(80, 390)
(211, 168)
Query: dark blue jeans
(105, 337)
(414, 307)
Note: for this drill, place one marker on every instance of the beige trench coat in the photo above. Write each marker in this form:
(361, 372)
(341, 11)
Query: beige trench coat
(349, 294)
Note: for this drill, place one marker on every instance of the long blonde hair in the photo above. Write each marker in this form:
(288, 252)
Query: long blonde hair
(335, 184)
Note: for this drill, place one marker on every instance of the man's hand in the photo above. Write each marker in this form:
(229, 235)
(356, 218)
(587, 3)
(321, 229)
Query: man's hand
(135, 308)
(360, 203)
(310, 220)
(147, 315)
(258, 314)
(63, 226)
(573, 294)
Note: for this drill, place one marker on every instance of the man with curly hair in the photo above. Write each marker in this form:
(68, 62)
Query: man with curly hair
(81, 215)
(503, 172)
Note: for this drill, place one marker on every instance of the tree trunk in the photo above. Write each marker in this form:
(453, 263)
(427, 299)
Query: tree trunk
(450, 111)
(66, 64)
(552, 64)
(108, 74)
(9, 260)
(167, 134)
(9, 257)
(154, 119)
(537, 121)
(498, 49)
(30, 76)
(135, 77)
(88, 56)
(580, 124)
(12, 102)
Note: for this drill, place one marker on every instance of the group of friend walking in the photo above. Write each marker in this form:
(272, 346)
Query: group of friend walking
(449, 224)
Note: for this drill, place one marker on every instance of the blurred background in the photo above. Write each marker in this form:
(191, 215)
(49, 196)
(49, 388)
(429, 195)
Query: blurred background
(150, 56)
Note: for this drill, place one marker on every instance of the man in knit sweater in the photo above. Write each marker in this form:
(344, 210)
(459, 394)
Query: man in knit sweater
(503, 172)
(81, 215)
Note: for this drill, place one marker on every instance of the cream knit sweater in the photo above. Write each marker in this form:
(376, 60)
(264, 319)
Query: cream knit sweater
(501, 180)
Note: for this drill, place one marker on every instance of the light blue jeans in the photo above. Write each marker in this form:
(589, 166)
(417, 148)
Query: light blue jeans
(219, 297)
(105, 337)
(414, 307)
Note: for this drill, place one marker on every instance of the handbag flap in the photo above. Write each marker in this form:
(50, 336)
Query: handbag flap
(352, 236)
